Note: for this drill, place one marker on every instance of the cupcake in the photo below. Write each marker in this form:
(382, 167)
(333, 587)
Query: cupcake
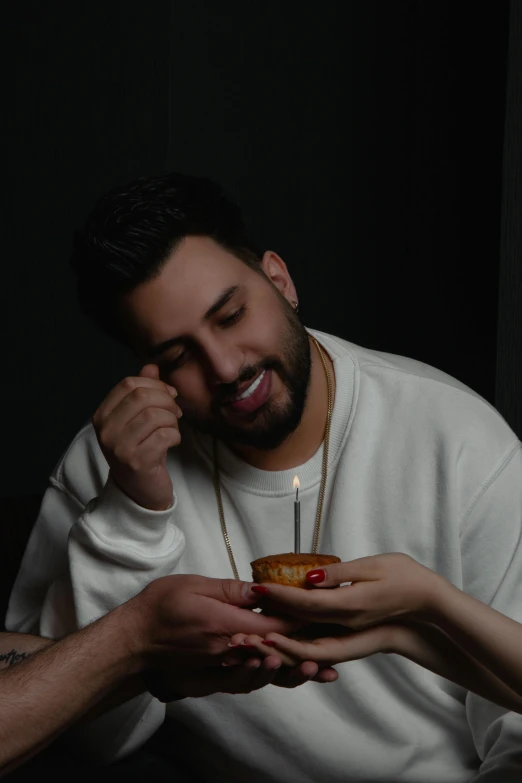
(289, 568)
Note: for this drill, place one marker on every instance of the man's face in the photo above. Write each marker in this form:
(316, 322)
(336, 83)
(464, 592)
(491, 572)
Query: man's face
(227, 339)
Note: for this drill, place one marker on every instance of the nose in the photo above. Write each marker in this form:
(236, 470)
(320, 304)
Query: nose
(224, 362)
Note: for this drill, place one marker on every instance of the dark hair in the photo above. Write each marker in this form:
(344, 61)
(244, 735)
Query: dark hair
(132, 230)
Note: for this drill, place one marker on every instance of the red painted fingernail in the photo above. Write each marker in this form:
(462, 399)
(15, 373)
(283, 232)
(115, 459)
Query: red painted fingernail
(269, 642)
(318, 575)
(259, 589)
(233, 646)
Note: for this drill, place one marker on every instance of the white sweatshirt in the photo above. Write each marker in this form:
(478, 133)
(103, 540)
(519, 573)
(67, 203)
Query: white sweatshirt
(419, 464)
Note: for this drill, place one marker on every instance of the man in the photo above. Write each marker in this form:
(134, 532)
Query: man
(45, 686)
(391, 455)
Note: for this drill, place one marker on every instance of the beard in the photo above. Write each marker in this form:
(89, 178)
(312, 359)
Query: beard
(268, 426)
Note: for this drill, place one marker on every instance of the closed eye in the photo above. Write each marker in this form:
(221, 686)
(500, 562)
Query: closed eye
(233, 317)
(169, 365)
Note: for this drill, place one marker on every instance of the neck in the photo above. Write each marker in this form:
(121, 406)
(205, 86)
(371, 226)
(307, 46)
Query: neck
(302, 444)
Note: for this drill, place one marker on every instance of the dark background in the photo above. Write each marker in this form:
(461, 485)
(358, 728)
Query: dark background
(363, 139)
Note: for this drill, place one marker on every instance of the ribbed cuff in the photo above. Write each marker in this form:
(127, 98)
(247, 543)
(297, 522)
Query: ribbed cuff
(113, 515)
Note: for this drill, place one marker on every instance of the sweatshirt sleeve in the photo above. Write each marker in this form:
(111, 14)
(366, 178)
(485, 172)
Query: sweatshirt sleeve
(115, 549)
(491, 546)
(91, 549)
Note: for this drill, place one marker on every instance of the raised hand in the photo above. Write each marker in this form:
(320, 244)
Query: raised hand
(135, 425)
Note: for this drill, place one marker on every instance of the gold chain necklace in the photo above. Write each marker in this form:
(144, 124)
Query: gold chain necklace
(324, 471)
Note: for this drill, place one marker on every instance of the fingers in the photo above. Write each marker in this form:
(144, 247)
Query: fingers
(244, 679)
(257, 623)
(147, 423)
(239, 651)
(324, 606)
(291, 653)
(123, 389)
(328, 674)
(141, 427)
(141, 447)
(227, 591)
(149, 371)
(150, 438)
(237, 639)
(298, 651)
(138, 407)
(362, 569)
(237, 594)
(293, 677)
(153, 448)
(252, 644)
(334, 649)
(251, 676)
(242, 646)
(240, 596)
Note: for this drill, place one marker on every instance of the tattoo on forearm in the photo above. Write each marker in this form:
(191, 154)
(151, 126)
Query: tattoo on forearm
(13, 656)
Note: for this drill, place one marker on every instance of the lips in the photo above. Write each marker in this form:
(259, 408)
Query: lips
(254, 394)
(250, 389)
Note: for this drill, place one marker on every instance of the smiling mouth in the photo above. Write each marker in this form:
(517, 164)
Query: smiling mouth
(252, 394)
(246, 393)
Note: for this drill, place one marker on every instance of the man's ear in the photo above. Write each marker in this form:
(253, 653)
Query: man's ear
(275, 269)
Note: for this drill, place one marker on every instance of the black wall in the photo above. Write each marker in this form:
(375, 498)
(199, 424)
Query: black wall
(363, 139)
(508, 392)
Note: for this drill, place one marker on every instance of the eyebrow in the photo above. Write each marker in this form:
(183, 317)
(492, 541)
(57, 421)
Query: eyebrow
(220, 302)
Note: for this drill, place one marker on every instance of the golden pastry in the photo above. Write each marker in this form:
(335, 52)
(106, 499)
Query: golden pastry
(289, 568)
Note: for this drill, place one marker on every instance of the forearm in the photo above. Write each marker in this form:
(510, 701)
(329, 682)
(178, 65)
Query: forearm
(431, 648)
(487, 635)
(17, 647)
(44, 695)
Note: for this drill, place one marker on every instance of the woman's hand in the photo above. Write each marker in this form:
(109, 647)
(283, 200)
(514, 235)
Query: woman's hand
(339, 646)
(382, 587)
(295, 669)
(420, 642)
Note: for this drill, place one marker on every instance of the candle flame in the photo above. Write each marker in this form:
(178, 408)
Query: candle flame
(296, 483)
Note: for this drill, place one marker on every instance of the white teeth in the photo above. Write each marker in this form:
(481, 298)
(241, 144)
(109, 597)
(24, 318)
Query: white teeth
(251, 389)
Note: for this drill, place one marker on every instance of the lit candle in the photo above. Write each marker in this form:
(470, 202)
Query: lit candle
(297, 517)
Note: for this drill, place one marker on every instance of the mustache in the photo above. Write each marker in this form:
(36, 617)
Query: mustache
(228, 390)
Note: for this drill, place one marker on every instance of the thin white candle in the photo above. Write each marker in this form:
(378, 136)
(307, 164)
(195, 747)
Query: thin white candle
(297, 517)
